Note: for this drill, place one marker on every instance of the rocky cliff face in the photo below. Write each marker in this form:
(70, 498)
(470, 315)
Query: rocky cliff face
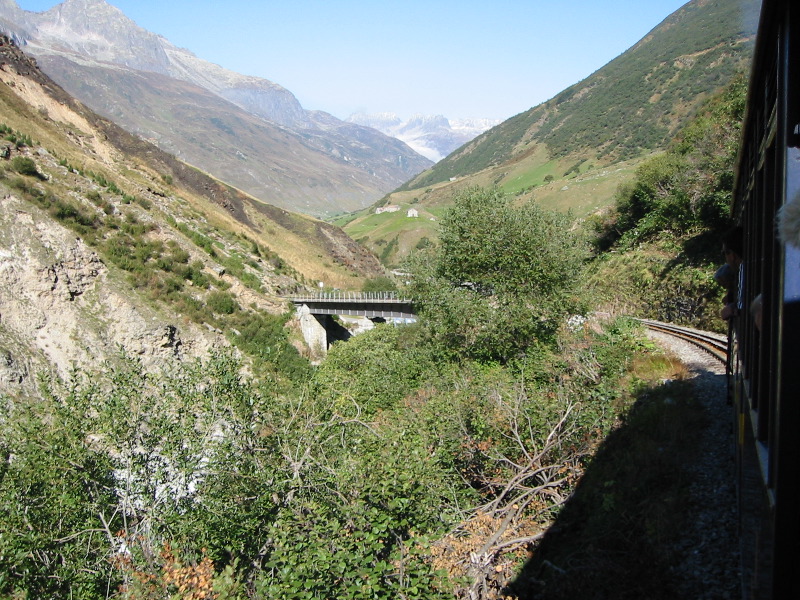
(267, 100)
(74, 24)
(61, 309)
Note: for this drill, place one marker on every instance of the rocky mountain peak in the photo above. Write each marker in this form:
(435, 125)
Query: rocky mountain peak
(12, 21)
(87, 6)
(97, 29)
(377, 121)
(84, 16)
(428, 121)
(9, 5)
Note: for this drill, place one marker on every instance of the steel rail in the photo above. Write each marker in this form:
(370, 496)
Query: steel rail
(714, 344)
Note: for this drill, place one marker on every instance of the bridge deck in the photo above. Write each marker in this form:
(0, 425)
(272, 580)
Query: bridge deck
(364, 304)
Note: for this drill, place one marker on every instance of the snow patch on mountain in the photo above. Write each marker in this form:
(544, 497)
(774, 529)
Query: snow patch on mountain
(432, 136)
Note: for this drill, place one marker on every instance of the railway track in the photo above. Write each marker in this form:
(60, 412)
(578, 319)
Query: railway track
(714, 344)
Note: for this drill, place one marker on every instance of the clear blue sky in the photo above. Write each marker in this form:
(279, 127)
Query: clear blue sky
(458, 58)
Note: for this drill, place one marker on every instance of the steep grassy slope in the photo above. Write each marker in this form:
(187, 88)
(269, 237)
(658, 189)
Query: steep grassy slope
(44, 111)
(659, 245)
(572, 152)
(630, 107)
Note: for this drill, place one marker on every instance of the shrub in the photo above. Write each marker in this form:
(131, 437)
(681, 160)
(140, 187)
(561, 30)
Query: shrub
(379, 284)
(143, 202)
(500, 279)
(264, 337)
(25, 166)
(56, 503)
(372, 371)
(222, 303)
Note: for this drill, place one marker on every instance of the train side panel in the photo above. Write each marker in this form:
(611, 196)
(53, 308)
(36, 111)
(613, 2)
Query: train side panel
(765, 343)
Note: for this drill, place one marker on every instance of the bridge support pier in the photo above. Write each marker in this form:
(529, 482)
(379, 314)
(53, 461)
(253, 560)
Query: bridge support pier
(314, 331)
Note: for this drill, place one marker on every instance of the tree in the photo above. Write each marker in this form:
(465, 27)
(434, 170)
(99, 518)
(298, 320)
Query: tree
(501, 277)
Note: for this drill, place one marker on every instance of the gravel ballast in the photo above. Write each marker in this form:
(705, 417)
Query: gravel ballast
(710, 567)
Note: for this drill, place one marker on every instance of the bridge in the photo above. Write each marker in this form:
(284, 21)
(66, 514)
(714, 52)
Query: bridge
(372, 305)
(315, 311)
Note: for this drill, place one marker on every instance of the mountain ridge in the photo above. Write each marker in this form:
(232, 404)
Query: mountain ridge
(355, 167)
(572, 152)
(96, 29)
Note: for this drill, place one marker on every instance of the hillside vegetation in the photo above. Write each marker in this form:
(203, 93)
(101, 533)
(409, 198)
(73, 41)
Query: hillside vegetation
(660, 243)
(420, 461)
(424, 461)
(200, 253)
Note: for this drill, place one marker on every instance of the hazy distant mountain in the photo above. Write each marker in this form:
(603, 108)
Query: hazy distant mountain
(245, 130)
(433, 136)
(95, 29)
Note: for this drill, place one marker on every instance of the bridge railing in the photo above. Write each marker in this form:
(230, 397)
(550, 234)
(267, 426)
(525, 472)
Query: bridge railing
(392, 297)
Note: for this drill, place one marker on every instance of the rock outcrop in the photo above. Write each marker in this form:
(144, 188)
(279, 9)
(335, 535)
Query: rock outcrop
(58, 296)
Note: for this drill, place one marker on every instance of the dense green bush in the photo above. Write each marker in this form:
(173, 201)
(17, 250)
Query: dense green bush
(379, 284)
(222, 303)
(199, 460)
(500, 280)
(264, 337)
(377, 481)
(372, 371)
(57, 503)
